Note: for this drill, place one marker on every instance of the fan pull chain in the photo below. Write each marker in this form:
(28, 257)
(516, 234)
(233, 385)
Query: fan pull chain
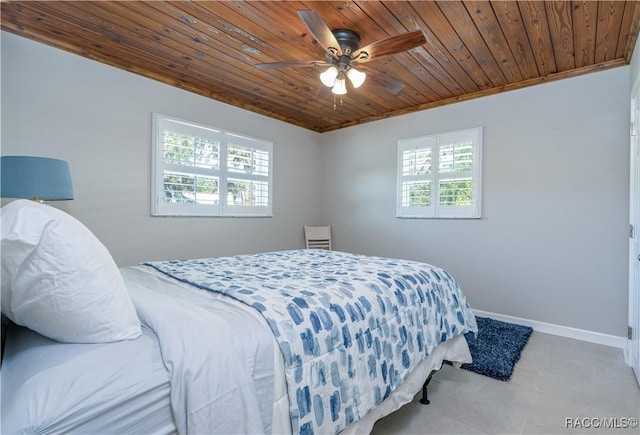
(334, 102)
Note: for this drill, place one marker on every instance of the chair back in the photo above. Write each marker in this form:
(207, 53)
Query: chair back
(318, 237)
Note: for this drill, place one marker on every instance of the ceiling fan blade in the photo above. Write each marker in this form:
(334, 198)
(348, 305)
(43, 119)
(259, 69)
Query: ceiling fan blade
(291, 64)
(323, 92)
(390, 45)
(320, 30)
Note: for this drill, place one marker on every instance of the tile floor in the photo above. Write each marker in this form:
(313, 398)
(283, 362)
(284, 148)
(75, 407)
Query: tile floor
(556, 379)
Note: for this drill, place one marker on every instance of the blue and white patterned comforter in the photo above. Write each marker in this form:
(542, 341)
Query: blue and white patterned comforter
(350, 327)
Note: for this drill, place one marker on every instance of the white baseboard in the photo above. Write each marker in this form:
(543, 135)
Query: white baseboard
(563, 331)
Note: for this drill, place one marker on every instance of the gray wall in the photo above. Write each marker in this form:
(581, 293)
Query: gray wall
(635, 66)
(59, 105)
(551, 246)
(552, 243)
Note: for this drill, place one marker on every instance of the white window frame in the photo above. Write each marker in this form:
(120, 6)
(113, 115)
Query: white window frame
(435, 209)
(159, 207)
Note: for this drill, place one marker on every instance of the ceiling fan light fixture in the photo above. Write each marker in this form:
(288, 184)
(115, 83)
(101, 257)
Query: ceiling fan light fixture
(328, 78)
(340, 87)
(357, 77)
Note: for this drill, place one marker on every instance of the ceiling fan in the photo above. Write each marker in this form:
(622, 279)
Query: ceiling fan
(343, 51)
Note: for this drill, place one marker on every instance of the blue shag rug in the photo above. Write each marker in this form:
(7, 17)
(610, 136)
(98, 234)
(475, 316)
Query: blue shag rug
(497, 348)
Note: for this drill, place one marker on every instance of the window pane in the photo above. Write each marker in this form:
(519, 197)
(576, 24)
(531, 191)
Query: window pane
(241, 159)
(260, 162)
(416, 194)
(190, 189)
(456, 156)
(207, 153)
(187, 150)
(241, 192)
(416, 161)
(178, 148)
(457, 193)
(207, 191)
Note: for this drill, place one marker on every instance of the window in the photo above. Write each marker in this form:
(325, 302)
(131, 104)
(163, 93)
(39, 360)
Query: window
(203, 171)
(439, 176)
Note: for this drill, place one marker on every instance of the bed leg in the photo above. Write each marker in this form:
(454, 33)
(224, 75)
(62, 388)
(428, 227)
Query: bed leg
(425, 399)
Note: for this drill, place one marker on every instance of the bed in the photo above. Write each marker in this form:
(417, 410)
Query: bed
(300, 341)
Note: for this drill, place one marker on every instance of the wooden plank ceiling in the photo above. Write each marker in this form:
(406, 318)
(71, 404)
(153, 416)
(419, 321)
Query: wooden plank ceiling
(472, 49)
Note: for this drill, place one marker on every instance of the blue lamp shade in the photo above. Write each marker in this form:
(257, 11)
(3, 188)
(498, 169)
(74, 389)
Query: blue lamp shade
(38, 178)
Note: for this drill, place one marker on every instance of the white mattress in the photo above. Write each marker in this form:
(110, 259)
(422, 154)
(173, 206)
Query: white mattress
(111, 388)
(50, 387)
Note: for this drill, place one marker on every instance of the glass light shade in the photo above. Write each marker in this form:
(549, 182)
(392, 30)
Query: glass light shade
(328, 78)
(340, 88)
(38, 178)
(356, 77)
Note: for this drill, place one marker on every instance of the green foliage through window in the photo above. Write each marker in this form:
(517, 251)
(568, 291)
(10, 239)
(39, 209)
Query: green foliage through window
(456, 193)
(416, 194)
(190, 189)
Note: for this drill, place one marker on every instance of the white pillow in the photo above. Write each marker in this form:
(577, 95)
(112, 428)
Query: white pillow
(59, 280)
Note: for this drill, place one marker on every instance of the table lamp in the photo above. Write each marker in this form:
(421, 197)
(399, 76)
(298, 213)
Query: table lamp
(38, 178)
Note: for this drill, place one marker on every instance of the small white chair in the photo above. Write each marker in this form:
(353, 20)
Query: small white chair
(318, 237)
